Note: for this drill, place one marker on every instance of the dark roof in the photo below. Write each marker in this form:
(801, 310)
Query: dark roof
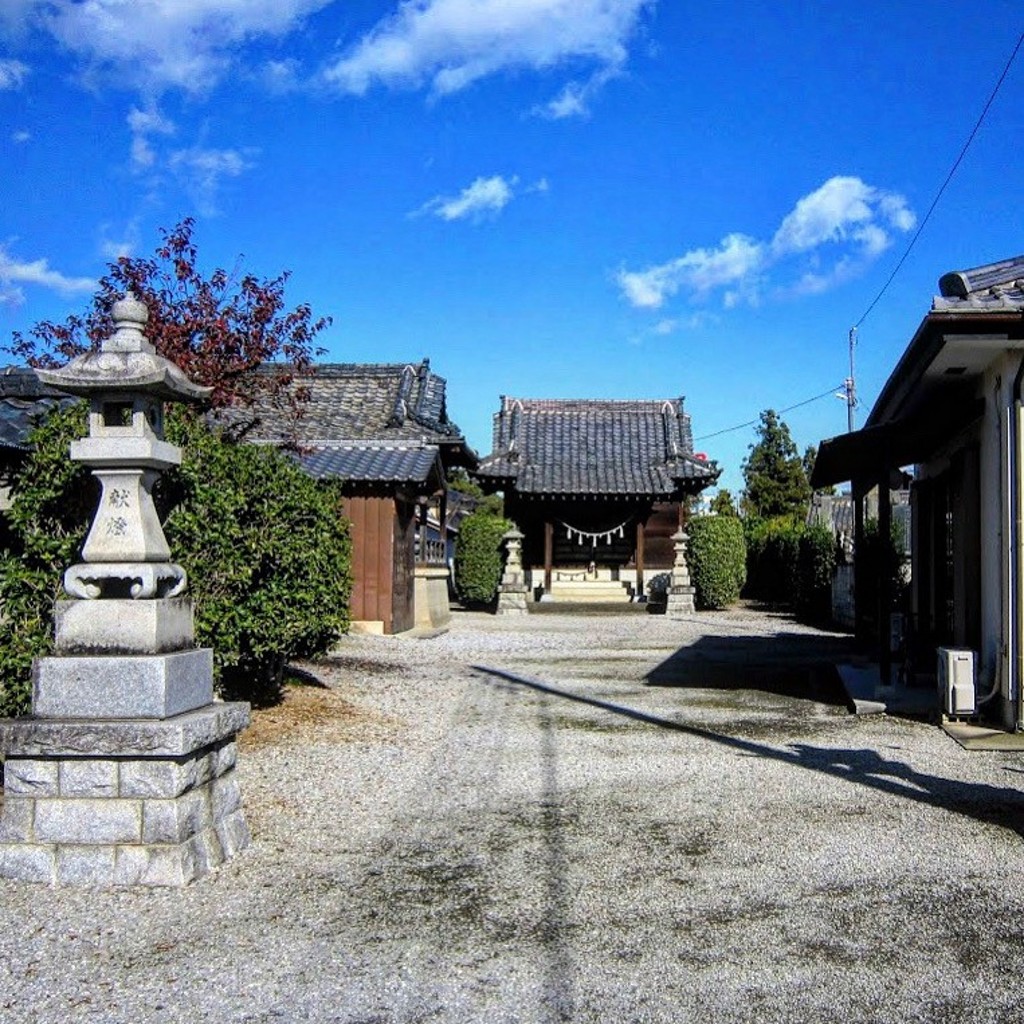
(364, 401)
(995, 287)
(24, 400)
(930, 395)
(367, 462)
(578, 446)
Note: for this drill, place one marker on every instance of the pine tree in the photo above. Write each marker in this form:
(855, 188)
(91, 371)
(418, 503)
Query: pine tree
(774, 473)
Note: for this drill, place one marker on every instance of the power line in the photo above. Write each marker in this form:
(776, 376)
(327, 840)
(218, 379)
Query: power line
(847, 385)
(750, 423)
(949, 178)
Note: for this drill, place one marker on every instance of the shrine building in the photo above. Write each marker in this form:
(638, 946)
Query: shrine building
(597, 487)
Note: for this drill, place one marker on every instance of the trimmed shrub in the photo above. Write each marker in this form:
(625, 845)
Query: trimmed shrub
(265, 547)
(773, 551)
(52, 502)
(267, 552)
(479, 558)
(717, 560)
(816, 567)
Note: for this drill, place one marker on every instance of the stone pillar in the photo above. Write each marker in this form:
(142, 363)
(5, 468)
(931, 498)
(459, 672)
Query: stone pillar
(512, 590)
(680, 592)
(125, 773)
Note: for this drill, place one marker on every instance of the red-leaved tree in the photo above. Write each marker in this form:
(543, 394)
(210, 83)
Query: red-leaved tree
(228, 332)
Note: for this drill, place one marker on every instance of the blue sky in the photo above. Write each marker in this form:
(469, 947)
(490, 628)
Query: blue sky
(549, 198)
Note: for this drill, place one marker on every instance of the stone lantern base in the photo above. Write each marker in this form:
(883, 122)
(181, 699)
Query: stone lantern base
(512, 600)
(680, 603)
(121, 802)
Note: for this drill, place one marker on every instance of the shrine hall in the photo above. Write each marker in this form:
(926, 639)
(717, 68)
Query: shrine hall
(597, 487)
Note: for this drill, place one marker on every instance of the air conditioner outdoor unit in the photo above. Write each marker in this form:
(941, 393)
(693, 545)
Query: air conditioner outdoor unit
(956, 672)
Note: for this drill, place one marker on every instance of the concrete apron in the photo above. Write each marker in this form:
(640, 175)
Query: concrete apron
(867, 696)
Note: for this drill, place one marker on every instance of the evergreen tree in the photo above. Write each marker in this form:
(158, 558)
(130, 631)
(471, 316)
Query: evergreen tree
(723, 503)
(774, 474)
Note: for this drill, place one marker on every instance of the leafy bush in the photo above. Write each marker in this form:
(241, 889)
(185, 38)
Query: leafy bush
(478, 556)
(267, 553)
(717, 559)
(52, 504)
(773, 551)
(877, 560)
(265, 547)
(815, 569)
(792, 564)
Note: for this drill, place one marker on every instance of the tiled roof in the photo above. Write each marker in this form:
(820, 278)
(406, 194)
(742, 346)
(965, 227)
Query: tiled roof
(360, 401)
(995, 288)
(577, 446)
(23, 402)
(369, 462)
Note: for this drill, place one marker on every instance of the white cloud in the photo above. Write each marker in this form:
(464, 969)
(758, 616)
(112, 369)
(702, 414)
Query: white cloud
(280, 76)
(574, 99)
(115, 248)
(484, 196)
(828, 237)
(449, 44)
(21, 137)
(143, 124)
(844, 207)
(12, 74)
(736, 261)
(14, 273)
(154, 44)
(201, 171)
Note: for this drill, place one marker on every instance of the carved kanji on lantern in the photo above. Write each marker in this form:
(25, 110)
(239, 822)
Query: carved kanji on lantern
(126, 382)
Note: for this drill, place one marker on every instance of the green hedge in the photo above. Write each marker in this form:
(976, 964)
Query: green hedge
(267, 552)
(773, 552)
(816, 563)
(792, 564)
(717, 560)
(265, 547)
(479, 558)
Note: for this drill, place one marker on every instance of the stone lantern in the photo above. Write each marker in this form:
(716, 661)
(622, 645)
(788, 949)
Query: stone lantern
(124, 774)
(680, 602)
(127, 384)
(512, 589)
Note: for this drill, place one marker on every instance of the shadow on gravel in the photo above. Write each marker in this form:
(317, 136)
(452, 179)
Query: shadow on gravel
(992, 805)
(798, 665)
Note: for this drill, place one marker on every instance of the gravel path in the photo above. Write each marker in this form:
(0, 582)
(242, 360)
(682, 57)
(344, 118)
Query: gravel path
(705, 836)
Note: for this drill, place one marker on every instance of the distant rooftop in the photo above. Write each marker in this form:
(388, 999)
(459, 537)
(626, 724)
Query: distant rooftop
(24, 401)
(594, 447)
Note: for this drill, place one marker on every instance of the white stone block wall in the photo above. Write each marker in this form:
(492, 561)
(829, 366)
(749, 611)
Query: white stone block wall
(119, 820)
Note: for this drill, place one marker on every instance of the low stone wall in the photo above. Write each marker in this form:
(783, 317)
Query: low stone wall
(432, 609)
(121, 803)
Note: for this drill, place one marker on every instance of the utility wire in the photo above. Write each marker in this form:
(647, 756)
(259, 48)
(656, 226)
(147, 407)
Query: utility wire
(750, 423)
(949, 178)
(907, 251)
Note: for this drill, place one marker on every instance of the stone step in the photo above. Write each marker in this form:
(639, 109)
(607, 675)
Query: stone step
(597, 591)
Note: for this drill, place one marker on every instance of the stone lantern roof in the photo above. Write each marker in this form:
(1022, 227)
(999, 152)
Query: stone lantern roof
(125, 362)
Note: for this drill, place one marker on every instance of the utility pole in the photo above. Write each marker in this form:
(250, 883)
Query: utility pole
(850, 384)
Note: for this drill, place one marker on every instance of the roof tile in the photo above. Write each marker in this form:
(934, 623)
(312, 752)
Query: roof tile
(578, 446)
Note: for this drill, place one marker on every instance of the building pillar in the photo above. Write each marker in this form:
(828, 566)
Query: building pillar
(549, 553)
(884, 582)
(861, 593)
(639, 558)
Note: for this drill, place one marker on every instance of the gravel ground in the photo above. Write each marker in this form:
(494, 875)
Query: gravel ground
(685, 825)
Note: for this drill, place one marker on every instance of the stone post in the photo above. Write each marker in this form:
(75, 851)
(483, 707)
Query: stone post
(512, 589)
(680, 592)
(125, 773)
